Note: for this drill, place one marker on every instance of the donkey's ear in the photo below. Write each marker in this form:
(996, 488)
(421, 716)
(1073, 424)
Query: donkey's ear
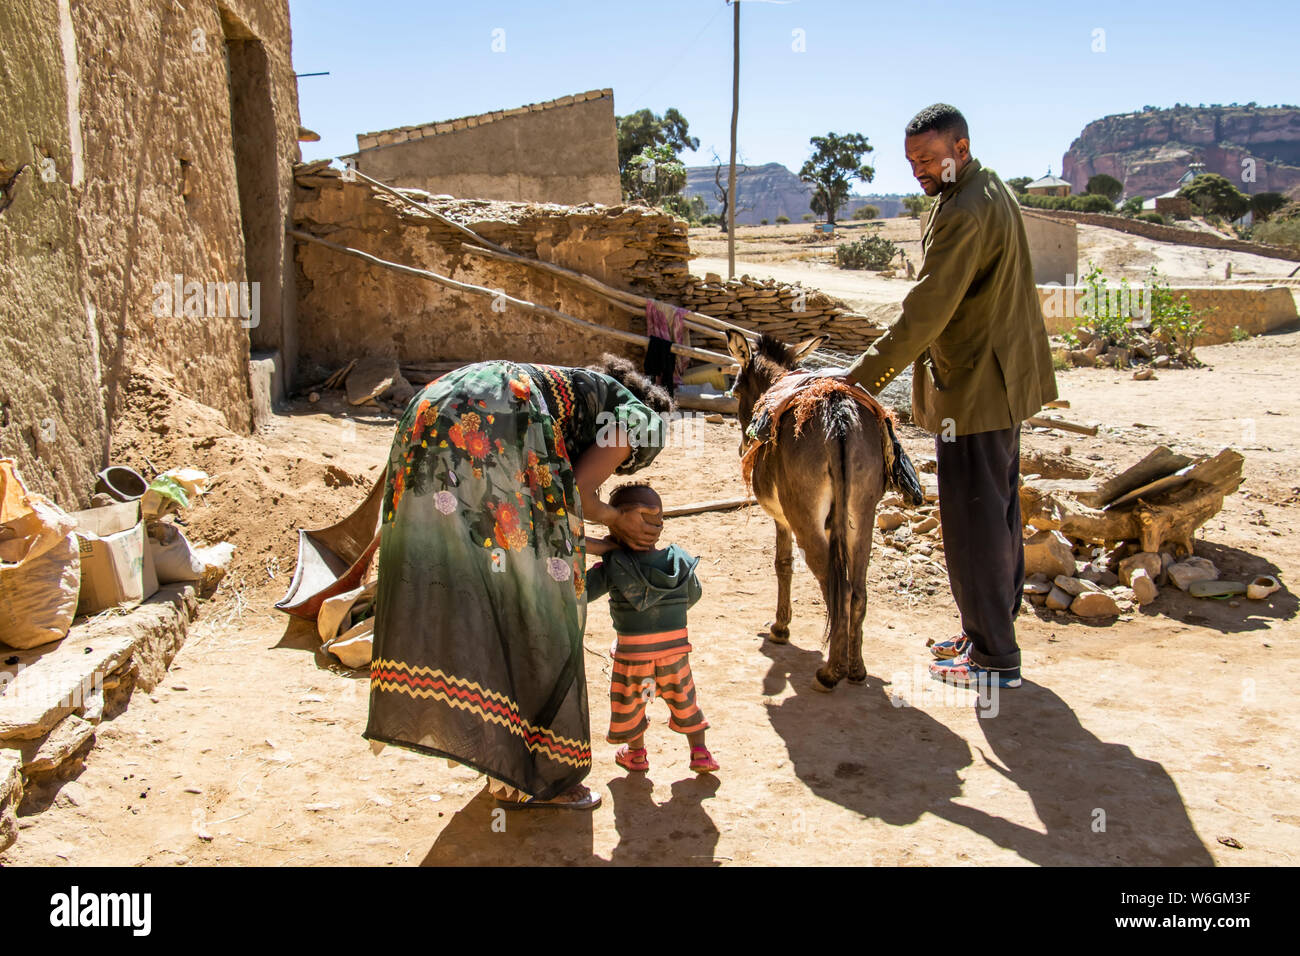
(738, 346)
(800, 351)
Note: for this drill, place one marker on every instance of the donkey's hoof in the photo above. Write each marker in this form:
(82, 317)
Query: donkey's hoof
(858, 678)
(819, 685)
(778, 634)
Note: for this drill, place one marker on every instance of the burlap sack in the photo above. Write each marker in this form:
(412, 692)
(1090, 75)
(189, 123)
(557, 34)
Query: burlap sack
(40, 568)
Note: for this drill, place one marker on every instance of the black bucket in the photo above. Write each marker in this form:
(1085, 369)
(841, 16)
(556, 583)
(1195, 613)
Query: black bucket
(122, 483)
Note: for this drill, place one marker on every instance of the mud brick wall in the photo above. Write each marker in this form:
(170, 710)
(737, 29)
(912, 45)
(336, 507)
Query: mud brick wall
(348, 308)
(132, 130)
(1255, 311)
(1186, 237)
(564, 151)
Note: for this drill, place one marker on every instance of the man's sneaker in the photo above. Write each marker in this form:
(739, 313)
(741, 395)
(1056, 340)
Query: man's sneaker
(964, 672)
(953, 647)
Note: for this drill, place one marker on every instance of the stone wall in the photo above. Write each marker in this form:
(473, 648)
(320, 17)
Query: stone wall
(1255, 311)
(789, 312)
(348, 308)
(1187, 237)
(1053, 247)
(135, 129)
(562, 151)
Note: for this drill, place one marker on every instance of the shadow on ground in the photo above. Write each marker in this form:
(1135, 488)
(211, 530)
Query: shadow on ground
(896, 763)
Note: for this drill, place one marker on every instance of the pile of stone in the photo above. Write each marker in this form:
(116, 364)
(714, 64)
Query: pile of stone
(1098, 583)
(1144, 353)
(789, 312)
(911, 542)
(1105, 584)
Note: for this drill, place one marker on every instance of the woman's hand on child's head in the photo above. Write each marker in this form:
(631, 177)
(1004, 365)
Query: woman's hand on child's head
(638, 526)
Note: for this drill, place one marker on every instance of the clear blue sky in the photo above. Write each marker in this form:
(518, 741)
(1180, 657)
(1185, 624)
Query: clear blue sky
(1025, 74)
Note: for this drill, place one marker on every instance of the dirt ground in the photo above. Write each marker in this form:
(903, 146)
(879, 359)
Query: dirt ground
(1146, 740)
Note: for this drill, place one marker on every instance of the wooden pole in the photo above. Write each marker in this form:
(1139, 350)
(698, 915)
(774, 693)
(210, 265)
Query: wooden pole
(1062, 425)
(703, 506)
(702, 354)
(731, 169)
(486, 247)
(698, 321)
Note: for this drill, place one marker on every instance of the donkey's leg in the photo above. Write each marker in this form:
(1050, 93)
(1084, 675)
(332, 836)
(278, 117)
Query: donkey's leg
(779, 633)
(817, 553)
(861, 559)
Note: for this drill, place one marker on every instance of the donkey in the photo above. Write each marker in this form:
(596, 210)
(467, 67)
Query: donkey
(821, 486)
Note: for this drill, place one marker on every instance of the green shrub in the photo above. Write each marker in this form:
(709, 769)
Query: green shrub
(1173, 320)
(1279, 232)
(1239, 334)
(807, 217)
(782, 220)
(873, 252)
(762, 222)
(866, 212)
(1153, 217)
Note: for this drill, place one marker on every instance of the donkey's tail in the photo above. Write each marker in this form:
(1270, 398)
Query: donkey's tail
(839, 589)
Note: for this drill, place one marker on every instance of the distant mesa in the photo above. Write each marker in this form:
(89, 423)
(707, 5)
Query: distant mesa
(1148, 151)
(771, 190)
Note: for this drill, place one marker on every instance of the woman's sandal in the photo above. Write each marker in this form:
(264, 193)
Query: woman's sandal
(633, 760)
(702, 761)
(577, 797)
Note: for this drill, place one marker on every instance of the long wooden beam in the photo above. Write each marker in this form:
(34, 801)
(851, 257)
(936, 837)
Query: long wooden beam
(702, 354)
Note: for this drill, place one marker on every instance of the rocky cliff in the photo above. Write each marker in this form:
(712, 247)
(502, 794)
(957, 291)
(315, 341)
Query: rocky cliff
(1150, 150)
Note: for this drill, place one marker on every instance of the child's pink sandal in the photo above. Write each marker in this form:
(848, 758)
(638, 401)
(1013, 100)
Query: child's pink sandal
(633, 760)
(702, 761)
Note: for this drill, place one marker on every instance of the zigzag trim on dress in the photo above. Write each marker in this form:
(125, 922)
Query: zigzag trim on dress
(423, 682)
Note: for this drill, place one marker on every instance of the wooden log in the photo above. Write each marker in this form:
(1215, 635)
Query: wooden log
(1162, 518)
(706, 401)
(686, 350)
(1062, 425)
(1157, 464)
(726, 504)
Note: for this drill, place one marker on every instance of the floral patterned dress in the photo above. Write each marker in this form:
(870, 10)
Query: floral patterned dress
(481, 606)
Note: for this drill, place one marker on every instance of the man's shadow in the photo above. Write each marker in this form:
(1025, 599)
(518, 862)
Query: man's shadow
(857, 749)
(482, 834)
(1099, 802)
(678, 833)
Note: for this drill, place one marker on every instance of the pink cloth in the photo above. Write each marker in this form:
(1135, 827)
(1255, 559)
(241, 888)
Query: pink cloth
(667, 321)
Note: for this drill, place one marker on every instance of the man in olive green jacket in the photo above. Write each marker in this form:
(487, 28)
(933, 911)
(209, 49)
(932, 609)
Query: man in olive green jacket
(974, 328)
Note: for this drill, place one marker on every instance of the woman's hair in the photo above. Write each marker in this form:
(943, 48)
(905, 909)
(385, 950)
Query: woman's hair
(625, 373)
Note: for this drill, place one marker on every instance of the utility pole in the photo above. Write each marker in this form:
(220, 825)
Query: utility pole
(731, 172)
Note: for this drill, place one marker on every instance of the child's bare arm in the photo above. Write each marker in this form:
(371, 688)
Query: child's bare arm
(599, 547)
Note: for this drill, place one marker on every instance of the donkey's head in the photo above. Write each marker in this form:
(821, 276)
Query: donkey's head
(761, 365)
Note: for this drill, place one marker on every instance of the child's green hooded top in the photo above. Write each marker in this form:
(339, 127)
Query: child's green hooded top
(649, 592)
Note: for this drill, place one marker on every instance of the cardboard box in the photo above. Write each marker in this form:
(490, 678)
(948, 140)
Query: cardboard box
(116, 567)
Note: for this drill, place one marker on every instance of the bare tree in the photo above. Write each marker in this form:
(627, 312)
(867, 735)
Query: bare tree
(720, 189)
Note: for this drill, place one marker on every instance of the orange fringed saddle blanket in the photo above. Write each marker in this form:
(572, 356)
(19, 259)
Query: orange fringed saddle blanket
(804, 393)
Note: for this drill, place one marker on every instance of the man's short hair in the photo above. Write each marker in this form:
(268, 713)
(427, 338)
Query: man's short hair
(939, 118)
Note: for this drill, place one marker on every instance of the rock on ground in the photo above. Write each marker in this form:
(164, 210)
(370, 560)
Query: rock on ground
(1184, 572)
(1094, 604)
(1049, 553)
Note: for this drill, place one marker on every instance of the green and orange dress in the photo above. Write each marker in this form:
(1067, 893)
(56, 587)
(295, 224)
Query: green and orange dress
(481, 604)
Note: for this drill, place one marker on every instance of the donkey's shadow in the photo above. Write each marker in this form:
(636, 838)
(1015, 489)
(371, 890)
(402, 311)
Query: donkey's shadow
(857, 749)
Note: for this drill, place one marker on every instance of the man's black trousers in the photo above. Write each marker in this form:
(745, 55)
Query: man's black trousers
(979, 506)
